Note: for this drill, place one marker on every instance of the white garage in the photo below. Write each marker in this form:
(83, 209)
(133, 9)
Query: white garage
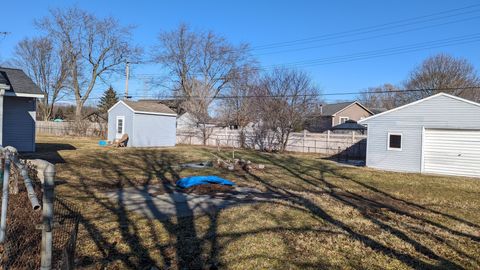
(452, 151)
(439, 135)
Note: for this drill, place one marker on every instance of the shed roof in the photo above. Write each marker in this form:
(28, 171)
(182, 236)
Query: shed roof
(18, 81)
(147, 107)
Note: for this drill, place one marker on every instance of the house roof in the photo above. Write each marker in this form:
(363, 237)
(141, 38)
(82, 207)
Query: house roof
(148, 107)
(333, 109)
(20, 84)
(349, 125)
(417, 102)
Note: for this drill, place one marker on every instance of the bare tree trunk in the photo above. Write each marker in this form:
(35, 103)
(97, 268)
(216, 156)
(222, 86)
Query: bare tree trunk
(78, 111)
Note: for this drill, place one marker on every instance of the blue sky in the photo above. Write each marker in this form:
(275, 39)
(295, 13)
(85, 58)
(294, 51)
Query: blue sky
(265, 22)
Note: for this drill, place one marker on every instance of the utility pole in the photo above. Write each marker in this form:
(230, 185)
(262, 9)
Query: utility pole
(127, 71)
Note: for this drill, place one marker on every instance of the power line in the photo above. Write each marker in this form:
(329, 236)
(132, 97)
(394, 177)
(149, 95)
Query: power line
(477, 88)
(364, 38)
(459, 40)
(383, 52)
(394, 24)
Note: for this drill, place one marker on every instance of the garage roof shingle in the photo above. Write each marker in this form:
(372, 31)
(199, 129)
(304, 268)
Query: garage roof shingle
(18, 81)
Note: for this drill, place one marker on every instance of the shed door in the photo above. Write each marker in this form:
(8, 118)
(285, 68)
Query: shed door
(452, 151)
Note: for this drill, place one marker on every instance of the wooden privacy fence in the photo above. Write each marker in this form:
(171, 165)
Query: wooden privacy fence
(351, 145)
(347, 145)
(83, 128)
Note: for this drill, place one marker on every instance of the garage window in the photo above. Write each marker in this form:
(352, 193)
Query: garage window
(395, 141)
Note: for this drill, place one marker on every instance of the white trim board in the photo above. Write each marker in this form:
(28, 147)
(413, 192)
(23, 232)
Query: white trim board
(13, 94)
(416, 102)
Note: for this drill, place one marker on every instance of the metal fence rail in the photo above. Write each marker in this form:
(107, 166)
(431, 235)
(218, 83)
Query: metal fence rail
(38, 232)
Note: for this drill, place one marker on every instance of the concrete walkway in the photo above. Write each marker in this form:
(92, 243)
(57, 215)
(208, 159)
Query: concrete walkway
(167, 205)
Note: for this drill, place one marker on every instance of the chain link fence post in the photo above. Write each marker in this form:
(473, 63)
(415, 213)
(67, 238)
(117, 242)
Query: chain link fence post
(47, 237)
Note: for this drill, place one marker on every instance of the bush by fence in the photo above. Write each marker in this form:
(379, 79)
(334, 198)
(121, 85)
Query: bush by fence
(351, 145)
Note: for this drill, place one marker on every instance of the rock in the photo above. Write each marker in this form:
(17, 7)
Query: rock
(231, 167)
(261, 166)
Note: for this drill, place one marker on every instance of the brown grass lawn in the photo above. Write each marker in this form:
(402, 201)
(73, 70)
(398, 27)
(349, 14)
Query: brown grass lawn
(328, 216)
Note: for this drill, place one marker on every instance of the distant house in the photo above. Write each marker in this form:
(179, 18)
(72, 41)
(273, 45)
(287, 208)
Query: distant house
(18, 94)
(147, 123)
(439, 134)
(187, 121)
(331, 115)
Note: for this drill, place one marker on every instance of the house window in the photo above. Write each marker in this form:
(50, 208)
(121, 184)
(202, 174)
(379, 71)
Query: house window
(120, 126)
(395, 141)
(343, 119)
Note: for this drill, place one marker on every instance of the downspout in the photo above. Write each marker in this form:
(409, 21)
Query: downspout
(2, 94)
(27, 181)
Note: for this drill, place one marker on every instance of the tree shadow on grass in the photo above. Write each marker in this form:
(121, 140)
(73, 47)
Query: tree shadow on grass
(49, 152)
(186, 248)
(377, 211)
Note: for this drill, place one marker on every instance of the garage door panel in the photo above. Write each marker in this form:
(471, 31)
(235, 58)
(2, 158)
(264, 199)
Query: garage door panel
(454, 152)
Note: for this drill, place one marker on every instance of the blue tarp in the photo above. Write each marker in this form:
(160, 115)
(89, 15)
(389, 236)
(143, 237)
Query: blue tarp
(102, 143)
(200, 180)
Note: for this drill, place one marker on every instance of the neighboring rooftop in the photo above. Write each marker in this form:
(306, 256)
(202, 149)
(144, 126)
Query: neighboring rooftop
(331, 109)
(148, 106)
(18, 81)
(334, 108)
(349, 125)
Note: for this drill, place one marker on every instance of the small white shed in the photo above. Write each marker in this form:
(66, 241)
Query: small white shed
(439, 134)
(147, 123)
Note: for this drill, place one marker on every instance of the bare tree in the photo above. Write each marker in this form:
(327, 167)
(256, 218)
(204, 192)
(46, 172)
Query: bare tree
(94, 47)
(283, 99)
(197, 106)
(443, 71)
(384, 97)
(199, 56)
(237, 108)
(201, 65)
(46, 65)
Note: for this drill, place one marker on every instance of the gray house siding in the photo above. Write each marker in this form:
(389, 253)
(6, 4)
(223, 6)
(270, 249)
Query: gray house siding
(437, 112)
(144, 130)
(154, 130)
(19, 123)
(120, 110)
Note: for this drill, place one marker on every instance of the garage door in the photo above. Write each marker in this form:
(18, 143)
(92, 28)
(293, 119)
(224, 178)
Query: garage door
(452, 151)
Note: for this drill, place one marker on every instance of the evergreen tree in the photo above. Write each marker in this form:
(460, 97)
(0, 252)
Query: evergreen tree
(108, 99)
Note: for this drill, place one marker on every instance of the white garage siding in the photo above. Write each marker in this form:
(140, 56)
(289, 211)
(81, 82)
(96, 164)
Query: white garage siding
(441, 111)
(455, 152)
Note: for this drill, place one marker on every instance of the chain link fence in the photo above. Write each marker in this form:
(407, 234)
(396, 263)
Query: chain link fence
(21, 248)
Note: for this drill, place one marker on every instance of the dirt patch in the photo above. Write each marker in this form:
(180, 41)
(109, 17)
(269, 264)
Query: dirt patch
(210, 189)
